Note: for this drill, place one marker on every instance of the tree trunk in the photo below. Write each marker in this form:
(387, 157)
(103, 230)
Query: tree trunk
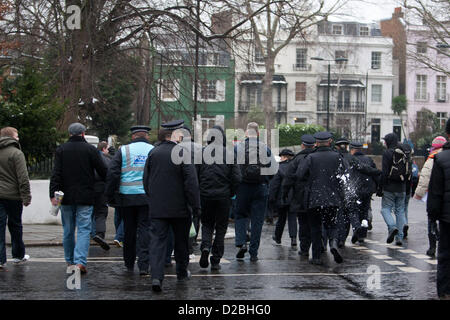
(267, 96)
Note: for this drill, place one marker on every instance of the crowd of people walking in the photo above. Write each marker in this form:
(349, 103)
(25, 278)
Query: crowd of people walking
(163, 193)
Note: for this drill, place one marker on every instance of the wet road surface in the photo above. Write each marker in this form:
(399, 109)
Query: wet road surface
(404, 272)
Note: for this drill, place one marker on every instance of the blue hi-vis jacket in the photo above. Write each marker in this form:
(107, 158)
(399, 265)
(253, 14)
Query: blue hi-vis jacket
(134, 156)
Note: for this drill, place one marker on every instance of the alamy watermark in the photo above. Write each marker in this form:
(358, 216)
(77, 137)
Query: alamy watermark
(73, 21)
(74, 280)
(374, 279)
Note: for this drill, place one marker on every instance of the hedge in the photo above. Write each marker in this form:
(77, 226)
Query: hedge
(290, 135)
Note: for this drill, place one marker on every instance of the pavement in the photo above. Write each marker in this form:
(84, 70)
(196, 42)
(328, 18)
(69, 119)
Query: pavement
(373, 270)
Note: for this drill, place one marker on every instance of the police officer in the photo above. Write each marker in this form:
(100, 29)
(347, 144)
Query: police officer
(341, 145)
(172, 186)
(281, 205)
(365, 185)
(125, 189)
(297, 203)
(323, 170)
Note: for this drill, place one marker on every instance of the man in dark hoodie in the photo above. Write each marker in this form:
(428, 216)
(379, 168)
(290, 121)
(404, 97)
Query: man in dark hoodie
(218, 184)
(14, 194)
(393, 192)
(438, 208)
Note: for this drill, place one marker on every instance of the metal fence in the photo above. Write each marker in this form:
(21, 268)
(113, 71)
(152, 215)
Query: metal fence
(40, 166)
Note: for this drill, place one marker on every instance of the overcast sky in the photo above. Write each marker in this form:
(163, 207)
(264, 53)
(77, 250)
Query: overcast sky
(368, 10)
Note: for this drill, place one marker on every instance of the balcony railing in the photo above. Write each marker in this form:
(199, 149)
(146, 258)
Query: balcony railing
(441, 97)
(244, 106)
(301, 67)
(347, 107)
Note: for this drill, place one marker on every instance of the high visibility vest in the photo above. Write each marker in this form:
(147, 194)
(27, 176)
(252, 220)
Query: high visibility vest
(134, 156)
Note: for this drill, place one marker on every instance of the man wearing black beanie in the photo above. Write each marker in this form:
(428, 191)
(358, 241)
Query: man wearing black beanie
(438, 208)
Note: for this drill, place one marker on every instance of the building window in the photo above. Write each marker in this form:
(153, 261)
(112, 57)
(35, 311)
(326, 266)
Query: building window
(259, 56)
(169, 90)
(211, 90)
(363, 31)
(376, 60)
(441, 88)
(375, 130)
(421, 47)
(376, 92)
(300, 61)
(254, 96)
(337, 29)
(442, 116)
(421, 87)
(397, 128)
(300, 91)
(340, 54)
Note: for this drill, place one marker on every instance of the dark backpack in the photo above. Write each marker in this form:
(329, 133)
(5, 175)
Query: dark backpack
(400, 165)
(251, 173)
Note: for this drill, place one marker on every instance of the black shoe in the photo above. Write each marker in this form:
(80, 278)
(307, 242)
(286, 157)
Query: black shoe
(277, 242)
(294, 243)
(253, 258)
(303, 253)
(204, 259)
(317, 262)
(391, 236)
(355, 235)
(168, 264)
(241, 252)
(341, 244)
(405, 231)
(361, 240)
(431, 252)
(101, 242)
(156, 285)
(269, 221)
(335, 252)
(185, 278)
(398, 243)
(369, 225)
(215, 267)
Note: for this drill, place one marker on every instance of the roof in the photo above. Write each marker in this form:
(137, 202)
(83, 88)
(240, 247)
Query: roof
(258, 78)
(342, 83)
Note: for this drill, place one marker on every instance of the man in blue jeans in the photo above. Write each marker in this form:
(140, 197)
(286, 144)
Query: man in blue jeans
(252, 193)
(74, 174)
(393, 192)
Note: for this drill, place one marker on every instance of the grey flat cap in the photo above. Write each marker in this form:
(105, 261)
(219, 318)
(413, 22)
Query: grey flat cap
(75, 129)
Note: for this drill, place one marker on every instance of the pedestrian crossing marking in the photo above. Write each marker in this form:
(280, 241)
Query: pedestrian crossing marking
(394, 262)
(409, 269)
(369, 251)
(407, 251)
(370, 241)
(434, 262)
(420, 256)
(360, 248)
(395, 247)
(382, 257)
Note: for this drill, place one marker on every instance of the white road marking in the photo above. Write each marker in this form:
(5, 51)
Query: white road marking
(370, 251)
(407, 251)
(394, 262)
(409, 269)
(370, 241)
(421, 256)
(382, 257)
(434, 262)
(359, 248)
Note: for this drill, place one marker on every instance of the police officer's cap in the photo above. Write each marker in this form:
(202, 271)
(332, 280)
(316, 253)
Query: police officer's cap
(308, 140)
(135, 129)
(322, 136)
(356, 145)
(286, 152)
(173, 125)
(342, 140)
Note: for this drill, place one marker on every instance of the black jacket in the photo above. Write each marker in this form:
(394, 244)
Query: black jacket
(366, 182)
(438, 203)
(99, 186)
(323, 170)
(276, 199)
(386, 183)
(74, 171)
(218, 180)
(291, 183)
(112, 185)
(170, 187)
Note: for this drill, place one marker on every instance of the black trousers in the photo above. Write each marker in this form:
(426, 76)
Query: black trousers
(291, 217)
(136, 236)
(443, 268)
(344, 221)
(214, 217)
(100, 214)
(326, 217)
(304, 231)
(11, 215)
(159, 231)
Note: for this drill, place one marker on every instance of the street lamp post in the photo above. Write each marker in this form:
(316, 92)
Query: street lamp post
(328, 84)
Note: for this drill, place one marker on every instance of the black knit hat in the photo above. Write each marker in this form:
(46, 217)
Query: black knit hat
(447, 126)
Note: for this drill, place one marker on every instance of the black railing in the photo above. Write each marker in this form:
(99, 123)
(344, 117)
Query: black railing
(301, 67)
(40, 166)
(350, 107)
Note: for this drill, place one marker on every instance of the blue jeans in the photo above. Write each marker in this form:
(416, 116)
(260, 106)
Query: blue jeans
(394, 201)
(80, 217)
(11, 211)
(251, 204)
(118, 224)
